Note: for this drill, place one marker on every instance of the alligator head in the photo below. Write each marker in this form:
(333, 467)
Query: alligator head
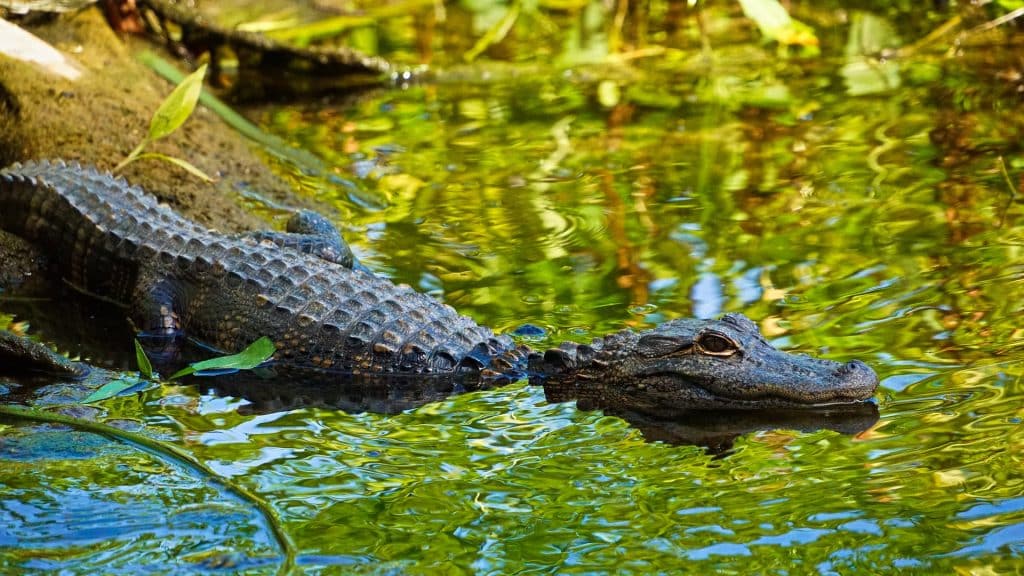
(689, 364)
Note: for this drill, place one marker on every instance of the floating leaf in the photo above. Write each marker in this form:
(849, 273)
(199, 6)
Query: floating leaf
(255, 354)
(111, 389)
(178, 106)
(145, 367)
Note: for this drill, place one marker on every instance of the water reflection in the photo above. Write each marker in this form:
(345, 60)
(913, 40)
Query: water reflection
(89, 501)
(713, 430)
(848, 218)
(717, 430)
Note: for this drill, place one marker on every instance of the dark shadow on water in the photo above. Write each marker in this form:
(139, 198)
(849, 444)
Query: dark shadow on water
(717, 430)
(714, 430)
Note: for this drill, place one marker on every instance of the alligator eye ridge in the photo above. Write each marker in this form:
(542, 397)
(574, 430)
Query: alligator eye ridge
(716, 344)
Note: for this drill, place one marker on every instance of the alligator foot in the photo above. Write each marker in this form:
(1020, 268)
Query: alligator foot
(310, 233)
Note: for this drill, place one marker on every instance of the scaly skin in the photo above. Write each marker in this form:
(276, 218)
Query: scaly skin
(114, 241)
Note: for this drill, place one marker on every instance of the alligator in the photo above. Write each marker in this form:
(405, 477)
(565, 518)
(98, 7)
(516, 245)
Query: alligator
(33, 364)
(330, 316)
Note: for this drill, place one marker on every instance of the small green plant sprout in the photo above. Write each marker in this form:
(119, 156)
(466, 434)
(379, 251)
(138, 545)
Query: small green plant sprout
(171, 114)
(255, 354)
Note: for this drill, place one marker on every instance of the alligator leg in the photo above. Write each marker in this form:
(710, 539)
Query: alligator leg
(310, 233)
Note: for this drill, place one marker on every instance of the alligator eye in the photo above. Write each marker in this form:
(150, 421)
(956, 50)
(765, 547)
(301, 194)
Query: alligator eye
(716, 344)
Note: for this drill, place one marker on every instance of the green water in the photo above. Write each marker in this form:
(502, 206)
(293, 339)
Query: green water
(852, 215)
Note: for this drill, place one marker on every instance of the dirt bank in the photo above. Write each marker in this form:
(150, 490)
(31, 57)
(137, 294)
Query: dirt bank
(99, 118)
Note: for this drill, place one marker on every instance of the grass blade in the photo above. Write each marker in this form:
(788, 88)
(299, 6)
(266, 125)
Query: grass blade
(145, 367)
(177, 162)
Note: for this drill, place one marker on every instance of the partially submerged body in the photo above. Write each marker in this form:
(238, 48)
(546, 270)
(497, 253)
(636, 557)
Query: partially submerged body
(173, 276)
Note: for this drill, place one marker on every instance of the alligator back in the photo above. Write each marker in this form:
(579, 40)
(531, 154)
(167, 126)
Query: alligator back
(118, 243)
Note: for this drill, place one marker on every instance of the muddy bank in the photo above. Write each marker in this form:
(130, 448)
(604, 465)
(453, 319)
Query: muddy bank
(99, 118)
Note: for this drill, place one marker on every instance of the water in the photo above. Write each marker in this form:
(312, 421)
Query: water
(848, 220)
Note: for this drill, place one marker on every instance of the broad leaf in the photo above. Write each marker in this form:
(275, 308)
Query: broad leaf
(111, 389)
(145, 367)
(178, 106)
(257, 353)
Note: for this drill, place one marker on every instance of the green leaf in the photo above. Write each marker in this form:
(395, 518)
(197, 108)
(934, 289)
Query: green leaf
(109, 390)
(776, 24)
(609, 93)
(177, 162)
(769, 16)
(257, 353)
(178, 106)
(145, 367)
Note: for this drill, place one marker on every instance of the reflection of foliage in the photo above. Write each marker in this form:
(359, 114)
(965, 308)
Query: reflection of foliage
(853, 209)
(573, 32)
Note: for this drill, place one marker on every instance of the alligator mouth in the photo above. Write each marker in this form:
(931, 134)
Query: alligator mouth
(702, 398)
(776, 401)
(794, 400)
(857, 383)
(829, 398)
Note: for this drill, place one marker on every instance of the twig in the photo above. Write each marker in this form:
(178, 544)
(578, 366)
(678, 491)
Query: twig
(1008, 17)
